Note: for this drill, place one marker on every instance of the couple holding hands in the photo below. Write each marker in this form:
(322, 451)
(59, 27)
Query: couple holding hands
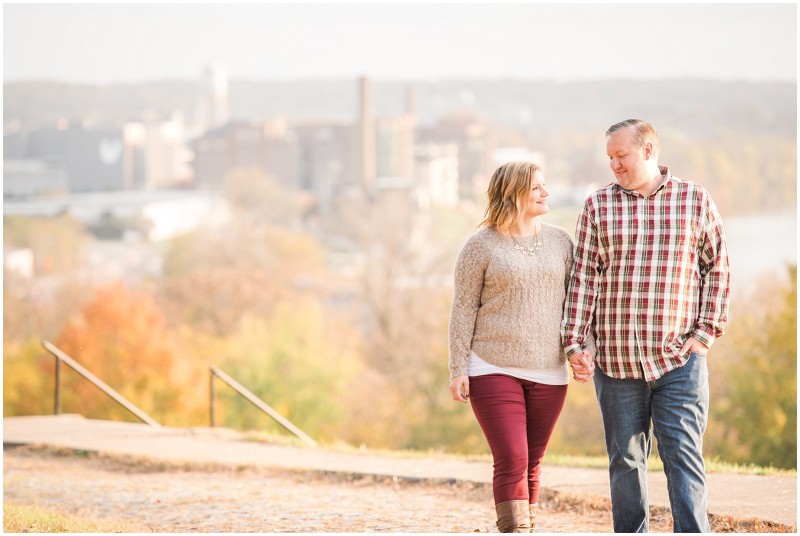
(633, 305)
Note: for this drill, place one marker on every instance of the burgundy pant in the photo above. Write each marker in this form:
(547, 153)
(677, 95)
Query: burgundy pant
(517, 417)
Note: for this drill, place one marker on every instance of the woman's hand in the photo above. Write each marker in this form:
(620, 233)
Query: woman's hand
(459, 388)
(582, 364)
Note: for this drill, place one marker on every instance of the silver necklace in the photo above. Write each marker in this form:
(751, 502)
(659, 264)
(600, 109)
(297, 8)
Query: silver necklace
(535, 246)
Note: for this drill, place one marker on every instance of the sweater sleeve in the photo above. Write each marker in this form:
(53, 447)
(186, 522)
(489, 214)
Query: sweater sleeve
(468, 286)
(569, 262)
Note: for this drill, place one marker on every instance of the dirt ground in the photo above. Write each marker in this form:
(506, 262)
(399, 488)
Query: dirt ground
(158, 497)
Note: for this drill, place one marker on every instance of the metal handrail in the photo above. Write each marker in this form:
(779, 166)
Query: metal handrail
(257, 402)
(100, 384)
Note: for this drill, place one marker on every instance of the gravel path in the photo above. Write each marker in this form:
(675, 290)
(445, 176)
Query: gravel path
(158, 497)
(137, 494)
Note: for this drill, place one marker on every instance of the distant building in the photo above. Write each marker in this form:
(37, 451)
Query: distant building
(166, 214)
(475, 148)
(329, 160)
(48, 144)
(394, 143)
(71, 158)
(210, 159)
(30, 178)
(267, 146)
(94, 160)
(282, 160)
(436, 175)
(15, 145)
(156, 156)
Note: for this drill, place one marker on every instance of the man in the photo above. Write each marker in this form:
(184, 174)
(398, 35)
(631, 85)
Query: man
(651, 283)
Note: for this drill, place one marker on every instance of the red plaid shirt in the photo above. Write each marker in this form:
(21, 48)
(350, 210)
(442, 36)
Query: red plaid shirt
(649, 272)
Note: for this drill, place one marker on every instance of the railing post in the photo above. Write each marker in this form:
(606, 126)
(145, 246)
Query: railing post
(100, 384)
(260, 404)
(211, 396)
(57, 404)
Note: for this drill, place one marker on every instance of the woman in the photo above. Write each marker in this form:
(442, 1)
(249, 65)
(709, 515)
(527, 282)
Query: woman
(505, 343)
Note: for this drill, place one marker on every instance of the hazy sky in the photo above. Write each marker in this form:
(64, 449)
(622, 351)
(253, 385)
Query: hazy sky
(101, 43)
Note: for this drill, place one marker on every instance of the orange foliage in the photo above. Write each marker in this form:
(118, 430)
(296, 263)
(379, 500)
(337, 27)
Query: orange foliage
(121, 337)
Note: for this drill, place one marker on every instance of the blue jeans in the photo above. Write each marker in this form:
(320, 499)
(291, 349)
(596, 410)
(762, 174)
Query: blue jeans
(677, 403)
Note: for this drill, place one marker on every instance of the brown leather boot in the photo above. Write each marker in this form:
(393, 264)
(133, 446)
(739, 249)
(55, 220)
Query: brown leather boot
(534, 510)
(513, 516)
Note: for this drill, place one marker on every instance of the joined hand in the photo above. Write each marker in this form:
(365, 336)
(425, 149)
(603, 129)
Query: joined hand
(582, 364)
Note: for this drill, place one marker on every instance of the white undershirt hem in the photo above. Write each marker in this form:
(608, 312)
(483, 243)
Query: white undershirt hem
(558, 376)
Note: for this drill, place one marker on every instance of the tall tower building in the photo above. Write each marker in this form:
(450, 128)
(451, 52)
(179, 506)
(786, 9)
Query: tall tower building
(212, 106)
(367, 137)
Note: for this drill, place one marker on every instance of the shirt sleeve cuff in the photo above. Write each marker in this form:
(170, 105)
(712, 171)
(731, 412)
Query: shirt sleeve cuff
(703, 336)
(572, 349)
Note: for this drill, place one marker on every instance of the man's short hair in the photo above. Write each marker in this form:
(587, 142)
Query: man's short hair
(643, 132)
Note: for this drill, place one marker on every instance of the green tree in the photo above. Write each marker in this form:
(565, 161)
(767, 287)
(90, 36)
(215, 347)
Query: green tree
(28, 387)
(301, 359)
(756, 418)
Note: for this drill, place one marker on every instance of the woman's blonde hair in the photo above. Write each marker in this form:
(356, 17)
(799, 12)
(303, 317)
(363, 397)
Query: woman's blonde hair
(508, 195)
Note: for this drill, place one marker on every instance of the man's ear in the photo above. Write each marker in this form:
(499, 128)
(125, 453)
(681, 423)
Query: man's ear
(648, 150)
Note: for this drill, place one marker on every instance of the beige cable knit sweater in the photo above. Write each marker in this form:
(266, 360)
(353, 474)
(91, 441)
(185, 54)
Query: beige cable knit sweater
(507, 306)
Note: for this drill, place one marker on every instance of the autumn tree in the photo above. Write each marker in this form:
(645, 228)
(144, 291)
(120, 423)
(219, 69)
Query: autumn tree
(37, 303)
(121, 336)
(215, 276)
(59, 244)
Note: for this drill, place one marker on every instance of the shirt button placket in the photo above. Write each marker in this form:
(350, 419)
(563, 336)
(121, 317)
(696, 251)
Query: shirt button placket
(646, 258)
(641, 256)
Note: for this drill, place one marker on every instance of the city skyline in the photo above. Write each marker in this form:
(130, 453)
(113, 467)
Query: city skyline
(117, 43)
